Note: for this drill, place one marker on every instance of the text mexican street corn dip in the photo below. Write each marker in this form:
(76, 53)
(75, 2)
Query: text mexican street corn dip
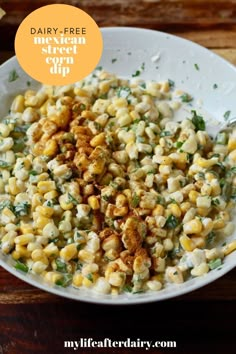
(101, 187)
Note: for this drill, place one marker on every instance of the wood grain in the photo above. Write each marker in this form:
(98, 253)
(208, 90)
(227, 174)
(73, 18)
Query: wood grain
(210, 23)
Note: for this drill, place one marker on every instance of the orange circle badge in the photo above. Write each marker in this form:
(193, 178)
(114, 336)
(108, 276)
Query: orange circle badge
(58, 44)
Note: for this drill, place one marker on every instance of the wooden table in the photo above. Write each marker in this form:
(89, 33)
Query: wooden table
(33, 321)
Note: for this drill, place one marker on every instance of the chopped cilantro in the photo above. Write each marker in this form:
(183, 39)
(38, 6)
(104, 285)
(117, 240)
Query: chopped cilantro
(185, 97)
(127, 288)
(21, 266)
(65, 280)
(13, 76)
(4, 164)
(210, 237)
(90, 277)
(171, 83)
(61, 266)
(135, 201)
(226, 115)
(215, 86)
(113, 60)
(123, 91)
(21, 209)
(215, 263)
(28, 83)
(137, 73)
(171, 222)
(196, 67)
(198, 121)
(165, 133)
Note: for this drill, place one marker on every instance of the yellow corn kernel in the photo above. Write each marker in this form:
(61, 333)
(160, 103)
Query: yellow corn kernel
(121, 200)
(200, 270)
(159, 210)
(45, 211)
(22, 250)
(15, 255)
(165, 160)
(7, 216)
(93, 202)
(41, 221)
(26, 228)
(98, 140)
(218, 224)
(39, 267)
(46, 186)
(18, 105)
(175, 210)
(185, 206)
(80, 92)
(51, 250)
(87, 282)
(51, 148)
(199, 242)
(38, 148)
(186, 243)
(117, 279)
(24, 239)
(37, 200)
(86, 256)
(65, 203)
(77, 279)
(193, 227)
(193, 195)
(39, 255)
(53, 277)
(206, 163)
(229, 248)
(203, 211)
(51, 195)
(97, 166)
(231, 143)
(120, 211)
(165, 169)
(68, 252)
(12, 185)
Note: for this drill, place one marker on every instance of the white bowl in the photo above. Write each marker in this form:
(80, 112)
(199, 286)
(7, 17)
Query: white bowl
(207, 77)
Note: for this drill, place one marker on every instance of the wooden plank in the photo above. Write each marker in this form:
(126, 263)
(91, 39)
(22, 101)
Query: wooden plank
(211, 23)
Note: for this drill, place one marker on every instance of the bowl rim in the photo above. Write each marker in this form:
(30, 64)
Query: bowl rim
(132, 299)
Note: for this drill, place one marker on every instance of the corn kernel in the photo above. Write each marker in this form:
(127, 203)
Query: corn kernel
(186, 243)
(193, 227)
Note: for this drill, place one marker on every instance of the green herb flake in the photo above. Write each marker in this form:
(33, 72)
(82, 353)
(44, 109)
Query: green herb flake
(61, 266)
(6, 204)
(215, 86)
(123, 91)
(71, 199)
(171, 83)
(28, 83)
(22, 209)
(21, 266)
(33, 173)
(215, 263)
(135, 201)
(178, 144)
(90, 277)
(137, 73)
(65, 280)
(196, 66)
(226, 115)
(4, 164)
(99, 68)
(185, 97)
(143, 85)
(127, 288)
(198, 121)
(113, 60)
(210, 238)
(165, 133)
(13, 76)
(171, 222)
